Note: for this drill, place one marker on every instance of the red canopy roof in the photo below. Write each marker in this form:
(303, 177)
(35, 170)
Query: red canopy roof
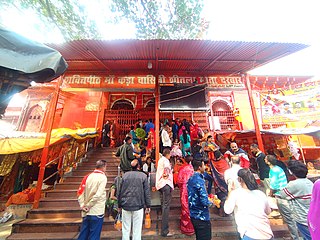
(171, 56)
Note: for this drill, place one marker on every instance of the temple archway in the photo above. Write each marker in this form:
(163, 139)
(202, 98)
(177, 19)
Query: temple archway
(34, 119)
(220, 105)
(122, 104)
(150, 105)
(223, 111)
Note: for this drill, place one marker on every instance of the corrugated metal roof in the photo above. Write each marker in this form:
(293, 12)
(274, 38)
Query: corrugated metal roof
(180, 56)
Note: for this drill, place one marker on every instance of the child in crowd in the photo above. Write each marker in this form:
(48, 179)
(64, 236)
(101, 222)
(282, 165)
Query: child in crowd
(176, 151)
(112, 201)
(149, 166)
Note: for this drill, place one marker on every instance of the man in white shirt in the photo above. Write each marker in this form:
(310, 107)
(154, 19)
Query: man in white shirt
(165, 137)
(231, 174)
(92, 200)
(164, 184)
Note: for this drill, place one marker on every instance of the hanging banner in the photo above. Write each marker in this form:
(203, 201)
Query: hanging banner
(300, 103)
(148, 81)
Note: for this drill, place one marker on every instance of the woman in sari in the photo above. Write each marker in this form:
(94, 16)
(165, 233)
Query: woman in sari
(113, 135)
(314, 212)
(183, 176)
(185, 142)
(220, 186)
(150, 141)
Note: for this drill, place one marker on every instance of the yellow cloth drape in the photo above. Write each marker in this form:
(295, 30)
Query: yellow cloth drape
(21, 144)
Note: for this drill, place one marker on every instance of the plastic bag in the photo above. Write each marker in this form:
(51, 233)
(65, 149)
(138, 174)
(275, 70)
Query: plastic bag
(118, 222)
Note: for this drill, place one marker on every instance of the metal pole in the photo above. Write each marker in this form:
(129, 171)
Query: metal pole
(301, 150)
(76, 154)
(45, 150)
(157, 119)
(254, 113)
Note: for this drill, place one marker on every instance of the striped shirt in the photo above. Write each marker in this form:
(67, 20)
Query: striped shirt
(298, 193)
(278, 179)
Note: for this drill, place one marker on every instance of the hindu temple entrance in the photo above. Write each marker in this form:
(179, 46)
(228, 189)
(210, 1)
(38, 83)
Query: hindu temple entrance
(124, 118)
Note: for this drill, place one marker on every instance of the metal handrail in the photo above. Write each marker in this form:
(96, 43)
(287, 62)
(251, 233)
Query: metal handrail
(53, 160)
(51, 175)
(61, 157)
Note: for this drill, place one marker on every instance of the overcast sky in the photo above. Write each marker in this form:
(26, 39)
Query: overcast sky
(241, 20)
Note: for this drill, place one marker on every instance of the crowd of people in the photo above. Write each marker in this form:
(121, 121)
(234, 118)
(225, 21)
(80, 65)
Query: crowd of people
(193, 162)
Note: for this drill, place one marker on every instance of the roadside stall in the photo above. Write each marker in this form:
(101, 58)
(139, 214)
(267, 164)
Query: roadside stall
(20, 158)
(286, 143)
(22, 62)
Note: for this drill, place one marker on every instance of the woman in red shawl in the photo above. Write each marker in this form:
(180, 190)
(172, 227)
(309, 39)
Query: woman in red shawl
(183, 176)
(195, 133)
(150, 137)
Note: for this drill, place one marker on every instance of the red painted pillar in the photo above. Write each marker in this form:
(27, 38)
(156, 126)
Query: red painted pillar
(157, 118)
(254, 112)
(96, 126)
(139, 101)
(51, 113)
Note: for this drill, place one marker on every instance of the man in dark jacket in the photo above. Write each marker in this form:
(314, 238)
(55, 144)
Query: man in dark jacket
(134, 195)
(125, 152)
(263, 168)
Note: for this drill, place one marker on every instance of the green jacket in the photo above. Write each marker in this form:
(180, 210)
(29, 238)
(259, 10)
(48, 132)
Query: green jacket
(125, 152)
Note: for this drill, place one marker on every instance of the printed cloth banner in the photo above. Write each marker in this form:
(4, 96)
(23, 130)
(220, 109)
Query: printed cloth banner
(298, 104)
(7, 163)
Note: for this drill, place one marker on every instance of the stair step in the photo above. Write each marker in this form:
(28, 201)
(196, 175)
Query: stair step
(74, 185)
(41, 236)
(57, 202)
(57, 212)
(73, 224)
(82, 173)
(78, 176)
(59, 216)
(280, 231)
(62, 193)
(51, 225)
(91, 168)
(47, 225)
(70, 212)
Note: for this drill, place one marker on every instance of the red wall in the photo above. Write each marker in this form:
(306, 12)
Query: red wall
(80, 110)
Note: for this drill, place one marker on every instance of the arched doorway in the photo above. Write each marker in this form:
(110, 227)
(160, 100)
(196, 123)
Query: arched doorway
(122, 104)
(34, 119)
(150, 105)
(223, 111)
(122, 115)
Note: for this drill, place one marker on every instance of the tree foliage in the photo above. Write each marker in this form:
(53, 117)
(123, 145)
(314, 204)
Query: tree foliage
(153, 19)
(163, 19)
(67, 15)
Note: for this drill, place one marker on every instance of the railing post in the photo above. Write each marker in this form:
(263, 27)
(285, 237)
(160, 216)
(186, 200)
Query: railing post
(157, 119)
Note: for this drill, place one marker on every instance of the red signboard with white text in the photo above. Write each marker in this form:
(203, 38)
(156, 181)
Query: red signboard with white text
(148, 81)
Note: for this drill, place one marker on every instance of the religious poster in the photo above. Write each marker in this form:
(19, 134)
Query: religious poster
(300, 103)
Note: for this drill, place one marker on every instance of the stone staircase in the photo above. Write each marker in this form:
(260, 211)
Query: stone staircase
(59, 217)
